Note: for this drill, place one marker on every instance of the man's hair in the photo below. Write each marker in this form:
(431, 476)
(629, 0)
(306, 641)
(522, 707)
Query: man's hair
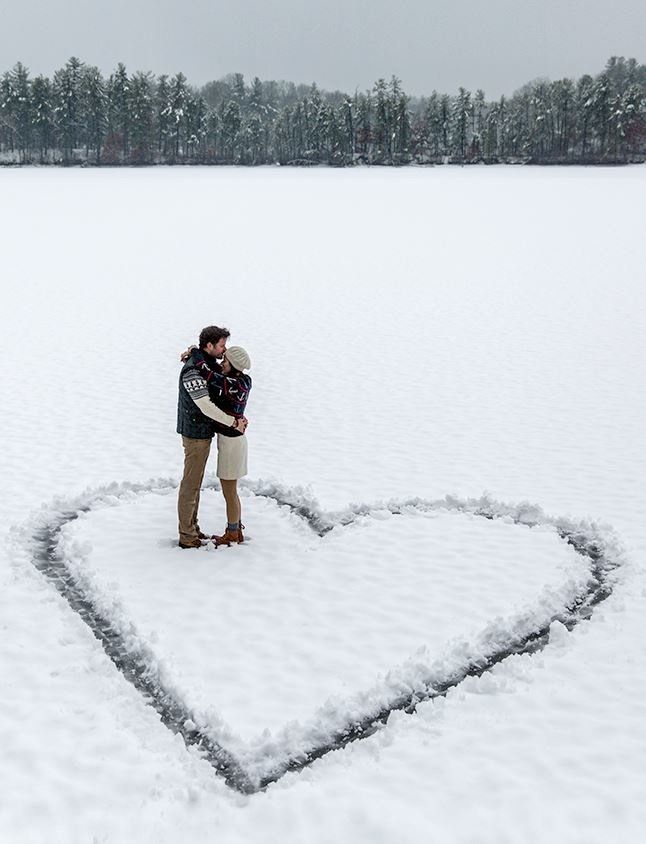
(212, 334)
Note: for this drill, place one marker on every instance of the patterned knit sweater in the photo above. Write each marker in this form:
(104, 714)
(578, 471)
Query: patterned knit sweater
(228, 392)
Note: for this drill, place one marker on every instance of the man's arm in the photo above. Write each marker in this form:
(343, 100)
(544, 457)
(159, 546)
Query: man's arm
(197, 389)
(235, 389)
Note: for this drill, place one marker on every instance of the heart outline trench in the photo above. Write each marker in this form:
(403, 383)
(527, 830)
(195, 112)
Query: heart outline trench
(598, 545)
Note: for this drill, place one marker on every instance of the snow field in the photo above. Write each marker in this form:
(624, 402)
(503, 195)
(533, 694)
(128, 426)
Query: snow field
(343, 610)
(413, 333)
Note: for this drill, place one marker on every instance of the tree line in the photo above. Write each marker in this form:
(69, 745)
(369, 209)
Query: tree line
(81, 117)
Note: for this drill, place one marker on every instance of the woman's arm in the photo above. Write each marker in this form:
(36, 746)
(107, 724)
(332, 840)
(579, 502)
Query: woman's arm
(197, 389)
(233, 390)
(213, 377)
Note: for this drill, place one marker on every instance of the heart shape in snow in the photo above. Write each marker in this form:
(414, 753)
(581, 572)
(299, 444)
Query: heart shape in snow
(346, 598)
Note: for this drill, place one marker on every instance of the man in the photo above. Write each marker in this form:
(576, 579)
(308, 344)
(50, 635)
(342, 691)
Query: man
(198, 419)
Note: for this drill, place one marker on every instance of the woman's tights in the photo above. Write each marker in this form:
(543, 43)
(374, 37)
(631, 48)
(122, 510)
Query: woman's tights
(230, 492)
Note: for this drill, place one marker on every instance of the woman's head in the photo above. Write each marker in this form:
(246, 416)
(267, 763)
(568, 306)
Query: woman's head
(236, 360)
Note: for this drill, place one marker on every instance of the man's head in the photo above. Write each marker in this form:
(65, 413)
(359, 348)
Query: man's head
(213, 340)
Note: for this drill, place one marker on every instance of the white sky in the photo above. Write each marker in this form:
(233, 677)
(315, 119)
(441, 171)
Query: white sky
(497, 45)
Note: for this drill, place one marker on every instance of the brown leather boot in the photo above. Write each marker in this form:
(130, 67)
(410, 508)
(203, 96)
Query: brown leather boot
(229, 536)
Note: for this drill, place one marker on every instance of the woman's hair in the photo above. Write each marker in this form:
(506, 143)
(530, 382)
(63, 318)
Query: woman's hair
(212, 334)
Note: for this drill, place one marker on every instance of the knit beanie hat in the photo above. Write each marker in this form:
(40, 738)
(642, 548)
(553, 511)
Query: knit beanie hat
(238, 358)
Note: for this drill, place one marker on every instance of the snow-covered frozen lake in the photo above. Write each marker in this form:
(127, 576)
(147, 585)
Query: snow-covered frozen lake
(414, 334)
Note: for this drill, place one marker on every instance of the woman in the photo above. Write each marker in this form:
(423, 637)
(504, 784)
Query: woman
(229, 389)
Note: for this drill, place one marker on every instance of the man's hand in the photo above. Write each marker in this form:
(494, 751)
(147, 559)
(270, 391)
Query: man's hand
(241, 424)
(186, 355)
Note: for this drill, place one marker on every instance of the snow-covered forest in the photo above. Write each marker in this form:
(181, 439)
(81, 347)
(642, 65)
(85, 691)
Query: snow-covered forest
(80, 117)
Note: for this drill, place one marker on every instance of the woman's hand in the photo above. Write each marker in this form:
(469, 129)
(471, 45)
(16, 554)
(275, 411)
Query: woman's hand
(186, 355)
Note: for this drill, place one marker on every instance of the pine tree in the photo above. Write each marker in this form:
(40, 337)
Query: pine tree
(239, 91)
(19, 105)
(6, 114)
(195, 126)
(601, 112)
(67, 106)
(584, 110)
(323, 120)
(539, 123)
(478, 124)
(298, 129)
(491, 133)
(445, 123)
(142, 113)
(517, 124)
(432, 121)
(176, 108)
(94, 107)
(347, 123)
(336, 136)
(382, 132)
(119, 118)
(563, 96)
(41, 93)
(625, 120)
(212, 137)
(253, 140)
(401, 124)
(257, 125)
(282, 136)
(503, 127)
(314, 124)
(162, 110)
(618, 73)
(231, 123)
(363, 108)
(461, 115)
(633, 128)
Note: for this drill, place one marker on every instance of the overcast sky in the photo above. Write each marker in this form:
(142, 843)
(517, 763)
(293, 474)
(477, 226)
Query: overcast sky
(497, 45)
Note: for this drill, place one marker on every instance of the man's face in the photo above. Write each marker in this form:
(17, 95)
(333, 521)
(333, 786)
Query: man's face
(217, 350)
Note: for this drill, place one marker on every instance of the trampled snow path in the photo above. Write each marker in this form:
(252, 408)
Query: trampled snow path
(249, 772)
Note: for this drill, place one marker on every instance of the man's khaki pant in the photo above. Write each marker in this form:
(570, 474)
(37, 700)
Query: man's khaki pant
(196, 453)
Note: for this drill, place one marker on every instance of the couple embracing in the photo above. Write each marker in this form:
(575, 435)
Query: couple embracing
(213, 393)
